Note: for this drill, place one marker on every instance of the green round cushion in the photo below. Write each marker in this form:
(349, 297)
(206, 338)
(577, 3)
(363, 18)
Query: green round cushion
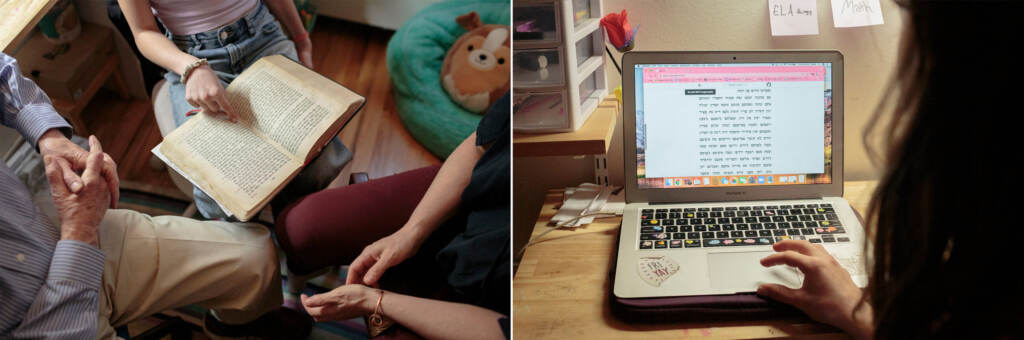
(415, 54)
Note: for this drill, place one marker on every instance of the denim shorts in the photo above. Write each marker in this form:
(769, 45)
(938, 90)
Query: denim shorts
(229, 50)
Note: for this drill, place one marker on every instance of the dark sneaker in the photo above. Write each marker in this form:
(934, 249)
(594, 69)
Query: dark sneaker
(283, 323)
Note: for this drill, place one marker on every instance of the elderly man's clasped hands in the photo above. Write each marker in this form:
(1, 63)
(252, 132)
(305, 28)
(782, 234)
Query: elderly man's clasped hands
(83, 184)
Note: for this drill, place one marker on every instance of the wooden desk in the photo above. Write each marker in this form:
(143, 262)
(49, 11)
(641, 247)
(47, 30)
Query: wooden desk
(19, 18)
(561, 288)
(593, 138)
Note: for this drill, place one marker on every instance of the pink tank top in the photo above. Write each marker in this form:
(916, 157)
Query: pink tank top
(183, 17)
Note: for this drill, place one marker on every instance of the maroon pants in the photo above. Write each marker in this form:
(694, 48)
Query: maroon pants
(331, 228)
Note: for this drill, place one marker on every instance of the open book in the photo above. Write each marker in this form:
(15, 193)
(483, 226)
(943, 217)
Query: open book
(287, 113)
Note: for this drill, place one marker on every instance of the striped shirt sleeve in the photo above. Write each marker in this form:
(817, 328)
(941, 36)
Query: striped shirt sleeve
(67, 304)
(24, 106)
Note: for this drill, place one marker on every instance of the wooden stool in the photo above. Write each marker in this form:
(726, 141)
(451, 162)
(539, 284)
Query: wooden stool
(72, 73)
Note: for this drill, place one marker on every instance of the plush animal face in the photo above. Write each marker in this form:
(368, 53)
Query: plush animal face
(476, 69)
(486, 59)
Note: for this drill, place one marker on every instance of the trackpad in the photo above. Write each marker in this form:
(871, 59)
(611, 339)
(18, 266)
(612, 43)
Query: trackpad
(743, 272)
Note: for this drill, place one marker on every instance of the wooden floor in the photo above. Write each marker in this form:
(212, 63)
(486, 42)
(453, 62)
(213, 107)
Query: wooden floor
(348, 53)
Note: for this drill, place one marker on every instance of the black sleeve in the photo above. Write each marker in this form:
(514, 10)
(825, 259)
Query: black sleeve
(494, 124)
(505, 327)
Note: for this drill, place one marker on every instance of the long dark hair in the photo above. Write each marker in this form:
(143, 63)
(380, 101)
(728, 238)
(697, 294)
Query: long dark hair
(947, 241)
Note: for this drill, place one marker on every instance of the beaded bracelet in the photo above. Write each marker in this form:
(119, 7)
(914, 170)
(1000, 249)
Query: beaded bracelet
(192, 67)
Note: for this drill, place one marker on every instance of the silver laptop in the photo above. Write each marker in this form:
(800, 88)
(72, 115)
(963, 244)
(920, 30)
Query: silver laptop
(727, 153)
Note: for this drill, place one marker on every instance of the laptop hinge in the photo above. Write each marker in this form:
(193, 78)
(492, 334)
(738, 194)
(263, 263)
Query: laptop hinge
(714, 202)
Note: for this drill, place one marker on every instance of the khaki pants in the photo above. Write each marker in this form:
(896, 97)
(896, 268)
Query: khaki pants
(158, 263)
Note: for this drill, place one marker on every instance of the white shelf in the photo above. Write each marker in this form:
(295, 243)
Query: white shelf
(586, 28)
(590, 66)
(573, 110)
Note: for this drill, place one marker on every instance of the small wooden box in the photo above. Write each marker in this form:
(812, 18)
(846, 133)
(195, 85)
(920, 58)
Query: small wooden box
(66, 75)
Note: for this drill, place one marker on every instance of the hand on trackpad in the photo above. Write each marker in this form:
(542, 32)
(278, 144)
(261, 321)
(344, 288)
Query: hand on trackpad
(743, 272)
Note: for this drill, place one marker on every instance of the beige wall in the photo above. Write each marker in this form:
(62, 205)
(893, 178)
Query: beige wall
(870, 52)
(386, 14)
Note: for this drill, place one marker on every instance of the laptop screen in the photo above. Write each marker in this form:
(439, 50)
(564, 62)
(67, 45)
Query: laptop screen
(722, 125)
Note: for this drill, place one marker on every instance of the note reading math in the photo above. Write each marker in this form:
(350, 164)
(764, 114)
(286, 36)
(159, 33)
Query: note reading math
(793, 17)
(854, 13)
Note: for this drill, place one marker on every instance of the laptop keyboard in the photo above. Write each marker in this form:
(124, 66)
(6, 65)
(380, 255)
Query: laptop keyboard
(667, 228)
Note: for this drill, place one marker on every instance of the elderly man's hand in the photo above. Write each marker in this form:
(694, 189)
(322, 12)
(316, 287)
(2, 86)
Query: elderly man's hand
(53, 143)
(80, 212)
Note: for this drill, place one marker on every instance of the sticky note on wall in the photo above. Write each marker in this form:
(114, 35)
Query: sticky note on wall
(854, 13)
(793, 17)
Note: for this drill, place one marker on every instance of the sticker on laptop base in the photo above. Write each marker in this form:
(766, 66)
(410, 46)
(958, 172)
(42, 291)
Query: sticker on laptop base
(656, 269)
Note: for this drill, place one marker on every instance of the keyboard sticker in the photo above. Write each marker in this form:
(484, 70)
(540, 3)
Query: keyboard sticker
(656, 269)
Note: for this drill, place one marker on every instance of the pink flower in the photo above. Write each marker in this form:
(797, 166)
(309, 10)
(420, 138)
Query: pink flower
(619, 33)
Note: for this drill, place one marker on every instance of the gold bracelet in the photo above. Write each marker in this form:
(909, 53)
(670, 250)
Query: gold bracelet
(192, 67)
(376, 322)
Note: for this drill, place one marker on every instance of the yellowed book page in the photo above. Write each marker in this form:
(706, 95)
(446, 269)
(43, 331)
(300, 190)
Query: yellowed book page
(237, 167)
(285, 113)
(290, 104)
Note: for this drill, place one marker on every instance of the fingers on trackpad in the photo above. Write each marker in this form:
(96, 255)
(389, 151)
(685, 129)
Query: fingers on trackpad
(743, 272)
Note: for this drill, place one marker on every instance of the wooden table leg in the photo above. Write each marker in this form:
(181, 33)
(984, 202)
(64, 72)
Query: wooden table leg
(118, 80)
(72, 110)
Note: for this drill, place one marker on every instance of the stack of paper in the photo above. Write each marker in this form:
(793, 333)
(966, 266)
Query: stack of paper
(582, 204)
